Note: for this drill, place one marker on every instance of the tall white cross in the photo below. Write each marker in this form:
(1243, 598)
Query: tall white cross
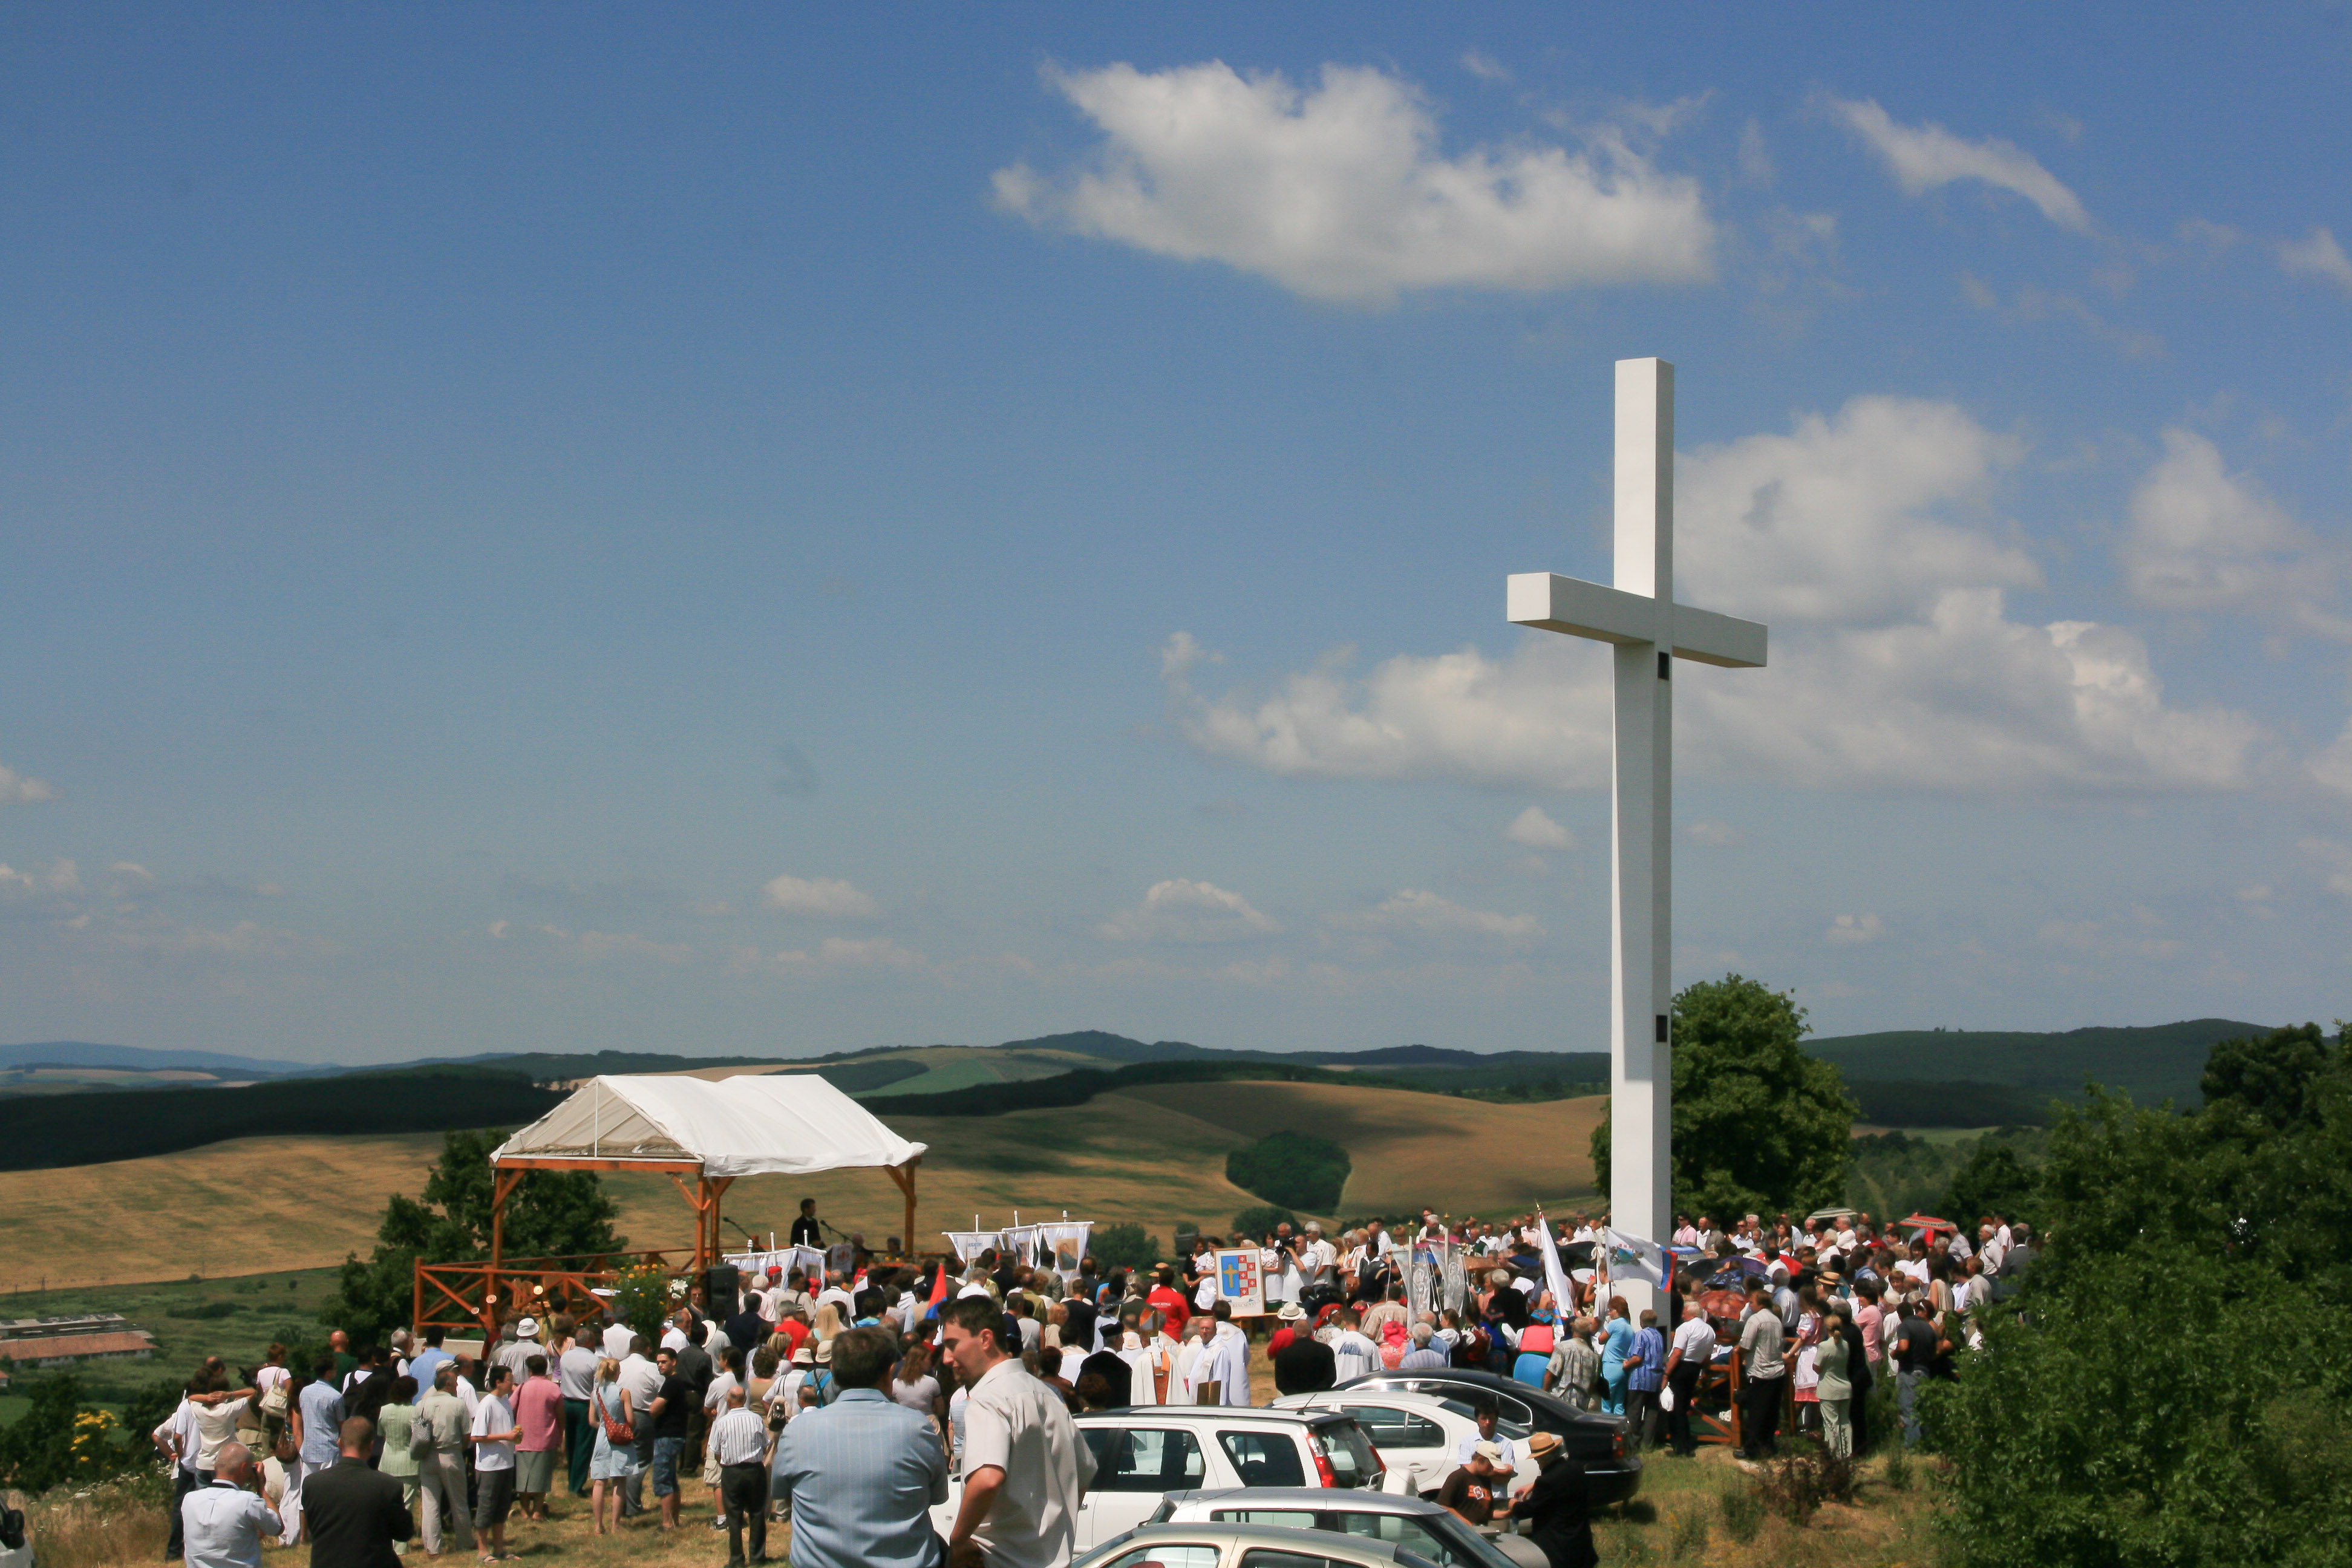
(1649, 632)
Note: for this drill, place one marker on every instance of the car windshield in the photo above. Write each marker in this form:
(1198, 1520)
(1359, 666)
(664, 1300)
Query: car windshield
(1515, 1430)
(1440, 1537)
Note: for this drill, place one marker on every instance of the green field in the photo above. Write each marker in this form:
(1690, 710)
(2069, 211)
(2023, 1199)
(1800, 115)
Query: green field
(268, 1306)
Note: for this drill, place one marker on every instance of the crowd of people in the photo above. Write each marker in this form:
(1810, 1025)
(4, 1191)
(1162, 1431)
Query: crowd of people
(845, 1402)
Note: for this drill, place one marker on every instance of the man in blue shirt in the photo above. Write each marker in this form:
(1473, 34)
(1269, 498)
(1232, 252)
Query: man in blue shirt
(862, 1474)
(322, 1419)
(421, 1368)
(1645, 1369)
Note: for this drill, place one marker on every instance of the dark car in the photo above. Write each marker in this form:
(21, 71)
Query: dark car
(1599, 1441)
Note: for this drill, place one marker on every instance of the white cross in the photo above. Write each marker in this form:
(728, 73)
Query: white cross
(1649, 631)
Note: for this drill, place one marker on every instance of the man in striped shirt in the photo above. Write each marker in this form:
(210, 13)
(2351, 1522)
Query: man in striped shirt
(739, 1441)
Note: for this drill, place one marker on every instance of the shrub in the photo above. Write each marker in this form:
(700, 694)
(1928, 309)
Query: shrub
(1743, 1512)
(1124, 1245)
(59, 1439)
(1261, 1220)
(207, 1312)
(1796, 1487)
(1294, 1169)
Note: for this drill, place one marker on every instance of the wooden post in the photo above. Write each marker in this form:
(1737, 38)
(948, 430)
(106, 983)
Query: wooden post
(905, 1176)
(503, 1183)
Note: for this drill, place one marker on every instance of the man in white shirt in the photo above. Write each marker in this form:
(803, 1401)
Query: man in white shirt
(740, 1445)
(1025, 1469)
(176, 1440)
(1352, 1353)
(1318, 1258)
(642, 1380)
(223, 1523)
(1692, 1352)
(837, 1290)
(494, 1432)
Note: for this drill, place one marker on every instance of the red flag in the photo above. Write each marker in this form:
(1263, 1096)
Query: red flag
(939, 1289)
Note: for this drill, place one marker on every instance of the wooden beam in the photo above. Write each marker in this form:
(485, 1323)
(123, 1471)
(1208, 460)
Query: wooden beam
(583, 1162)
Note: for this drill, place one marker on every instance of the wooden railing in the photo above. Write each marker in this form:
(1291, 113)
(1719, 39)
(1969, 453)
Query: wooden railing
(467, 1297)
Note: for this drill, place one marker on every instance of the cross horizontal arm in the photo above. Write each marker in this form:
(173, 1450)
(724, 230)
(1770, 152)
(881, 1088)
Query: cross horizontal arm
(1578, 608)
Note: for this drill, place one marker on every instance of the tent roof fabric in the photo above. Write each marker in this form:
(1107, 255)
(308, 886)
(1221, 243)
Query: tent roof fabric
(750, 1125)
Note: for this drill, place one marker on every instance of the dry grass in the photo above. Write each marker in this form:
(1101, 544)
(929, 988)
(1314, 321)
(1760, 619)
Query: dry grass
(1152, 1155)
(1681, 1517)
(100, 1528)
(1462, 1155)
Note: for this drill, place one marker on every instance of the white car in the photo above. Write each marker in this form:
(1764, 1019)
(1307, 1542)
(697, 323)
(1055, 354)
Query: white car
(1421, 1528)
(1146, 1451)
(1244, 1546)
(1419, 1435)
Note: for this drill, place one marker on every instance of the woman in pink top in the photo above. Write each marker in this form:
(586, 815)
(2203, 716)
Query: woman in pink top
(539, 1415)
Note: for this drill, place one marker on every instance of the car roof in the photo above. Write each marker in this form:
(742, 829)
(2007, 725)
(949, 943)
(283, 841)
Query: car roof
(1273, 1535)
(1404, 1398)
(1319, 1500)
(1477, 1382)
(1127, 1414)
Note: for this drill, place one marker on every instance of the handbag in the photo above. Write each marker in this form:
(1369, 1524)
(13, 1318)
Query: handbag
(619, 1431)
(273, 1400)
(420, 1438)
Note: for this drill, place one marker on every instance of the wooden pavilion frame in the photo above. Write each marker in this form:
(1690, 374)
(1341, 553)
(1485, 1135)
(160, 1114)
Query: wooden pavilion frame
(475, 1291)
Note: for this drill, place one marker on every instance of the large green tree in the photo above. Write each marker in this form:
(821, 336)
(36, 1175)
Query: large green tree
(2171, 1386)
(1758, 1126)
(552, 1214)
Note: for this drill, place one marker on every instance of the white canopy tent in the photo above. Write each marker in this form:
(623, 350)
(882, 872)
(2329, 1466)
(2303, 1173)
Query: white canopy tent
(752, 1124)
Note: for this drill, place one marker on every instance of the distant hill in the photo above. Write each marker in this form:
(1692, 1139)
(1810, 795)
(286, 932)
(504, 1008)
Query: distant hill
(82, 1053)
(2155, 1062)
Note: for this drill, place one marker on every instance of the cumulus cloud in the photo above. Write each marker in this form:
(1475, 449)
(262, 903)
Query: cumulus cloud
(15, 789)
(2332, 767)
(62, 876)
(1854, 930)
(245, 940)
(2202, 538)
(1340, 191)
(1923, 157)
(1713, 834)
(1188, 911)
(2317, 255)
(822, 897)
(837, 955)
(1537, 831)
(1413, 910)
(1851, 516)
(599, 946)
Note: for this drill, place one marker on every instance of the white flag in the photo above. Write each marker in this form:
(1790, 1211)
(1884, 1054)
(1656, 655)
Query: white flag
(1636, 1257)
(1563, 1297)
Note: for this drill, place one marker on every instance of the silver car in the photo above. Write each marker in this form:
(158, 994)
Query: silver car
(1206, 1545)
(1421, 1528)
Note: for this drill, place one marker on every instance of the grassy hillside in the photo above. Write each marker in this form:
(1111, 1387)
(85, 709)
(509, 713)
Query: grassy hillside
(2158, 1062)
(1154, 1155)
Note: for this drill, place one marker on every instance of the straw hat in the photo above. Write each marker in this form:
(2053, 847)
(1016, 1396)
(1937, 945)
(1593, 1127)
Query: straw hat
(1291, 1311)
(1543, 1447)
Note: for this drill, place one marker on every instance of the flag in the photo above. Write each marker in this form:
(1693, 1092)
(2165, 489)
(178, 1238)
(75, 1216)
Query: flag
(1636, 1257)
(1563, 1297)
(939, 1285)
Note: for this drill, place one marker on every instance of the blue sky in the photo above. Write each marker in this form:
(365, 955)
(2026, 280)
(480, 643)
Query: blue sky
(779, 530)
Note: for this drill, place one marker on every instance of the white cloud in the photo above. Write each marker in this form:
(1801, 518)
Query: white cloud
(1962, 701)
(819, 897)
(838, 955)
(2104, 939)
(1537, 831)
(1922, 158)
(1188, 911)
(2332, 767)
(2317, 255)
(1852, 517)
(1714, 835)
(15, 789)
(2334, 864)
(1854, 929)
(62, 876)
(1484, 66)
(497, 930)
(1338, 191)
(599, 946)
(2202, 538)
(245, 940)
(1413, 910)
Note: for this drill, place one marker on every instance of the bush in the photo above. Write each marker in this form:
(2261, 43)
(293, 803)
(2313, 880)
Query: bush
(1261, 1220)
(1124, 1246)
(206, 1311)
(1296, 1170)
(59, 1439)
(1743, 1512)
(1795, 1487)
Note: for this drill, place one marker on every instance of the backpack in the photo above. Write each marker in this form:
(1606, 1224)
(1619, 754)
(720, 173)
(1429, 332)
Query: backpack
(1536, 1339)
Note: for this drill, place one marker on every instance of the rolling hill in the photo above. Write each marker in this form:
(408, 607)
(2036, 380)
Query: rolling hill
(2157, 1062)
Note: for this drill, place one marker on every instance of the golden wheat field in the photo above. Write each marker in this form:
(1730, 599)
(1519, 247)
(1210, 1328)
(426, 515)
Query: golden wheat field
(1152, 1155)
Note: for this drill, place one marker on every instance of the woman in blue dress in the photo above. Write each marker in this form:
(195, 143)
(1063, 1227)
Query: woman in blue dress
(613, 1463)
(1618, 1339)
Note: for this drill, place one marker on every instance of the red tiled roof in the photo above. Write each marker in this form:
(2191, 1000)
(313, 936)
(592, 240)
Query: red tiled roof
(51, 1348)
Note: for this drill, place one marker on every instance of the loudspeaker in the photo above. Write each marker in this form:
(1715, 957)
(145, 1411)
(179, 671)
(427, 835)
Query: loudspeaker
(723, 1285)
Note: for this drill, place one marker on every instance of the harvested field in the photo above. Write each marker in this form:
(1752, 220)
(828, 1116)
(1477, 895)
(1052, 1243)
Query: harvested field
(1152, 1155)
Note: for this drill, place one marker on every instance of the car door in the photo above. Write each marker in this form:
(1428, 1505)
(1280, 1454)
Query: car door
(1407, 1440)
(1135, 1468)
